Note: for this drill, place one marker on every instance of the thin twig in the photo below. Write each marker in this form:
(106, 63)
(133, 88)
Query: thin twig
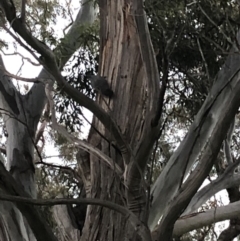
(203, 58)
(20, 42)
(23, 57)
(23, 11)
(83, 145)
(220, 30)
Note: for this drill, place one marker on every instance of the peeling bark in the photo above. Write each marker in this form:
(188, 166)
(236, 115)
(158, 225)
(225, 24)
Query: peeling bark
(122, 63)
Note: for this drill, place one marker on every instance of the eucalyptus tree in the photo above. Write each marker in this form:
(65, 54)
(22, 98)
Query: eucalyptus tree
(138, 53)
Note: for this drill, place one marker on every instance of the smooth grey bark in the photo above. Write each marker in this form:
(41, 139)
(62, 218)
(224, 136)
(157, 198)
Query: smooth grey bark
(226, 180)
(71, 42)
(223, 92)
(34, 219)
(22, 114)
(64, 224)
(8, 222)
(198, 220)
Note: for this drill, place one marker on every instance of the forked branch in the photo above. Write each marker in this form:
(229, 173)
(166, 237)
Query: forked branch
(49, 62)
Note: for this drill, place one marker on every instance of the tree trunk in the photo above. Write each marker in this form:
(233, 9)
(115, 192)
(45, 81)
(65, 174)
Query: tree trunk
(21, 116)
(122, 62)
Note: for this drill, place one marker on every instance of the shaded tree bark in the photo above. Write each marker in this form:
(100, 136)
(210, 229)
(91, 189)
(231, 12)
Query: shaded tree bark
(132, 108)
(228, 178)
(203, 140)
(130, 121)
(21, 116)
(234, 225)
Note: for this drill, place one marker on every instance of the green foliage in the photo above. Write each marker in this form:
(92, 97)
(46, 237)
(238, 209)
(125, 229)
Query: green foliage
(66, 150)
(191, 41)
(52, 180)
(42, 16)
(195, 37)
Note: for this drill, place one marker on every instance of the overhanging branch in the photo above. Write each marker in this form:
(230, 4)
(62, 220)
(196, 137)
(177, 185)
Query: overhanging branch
(198, 220)
(216, 114)
(49, 62)
(38, 225)
(137, 224)
(226, 180)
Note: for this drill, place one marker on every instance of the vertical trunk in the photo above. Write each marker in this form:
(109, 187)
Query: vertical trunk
(20, 158)
(102, 223)
(20, 150)
(21, 116)
(21, 127)
(121, 61)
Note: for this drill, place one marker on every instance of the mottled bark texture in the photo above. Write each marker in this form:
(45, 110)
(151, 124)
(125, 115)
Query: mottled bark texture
(21, 116)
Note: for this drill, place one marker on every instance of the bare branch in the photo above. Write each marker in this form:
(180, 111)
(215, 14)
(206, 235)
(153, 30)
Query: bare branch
(60, 201)
(196, 178)
(23, 11)
(198, 220)
(151, 128)
(20, 42)
(84, 145)
(226, 180)
(22, 56)
(137, 224)
(203, 140)
(65, 168)
(149, 59)
(227, 143)
(203, 58)
(219, 29)
(49, 61)
(43, 124)
(29, 80)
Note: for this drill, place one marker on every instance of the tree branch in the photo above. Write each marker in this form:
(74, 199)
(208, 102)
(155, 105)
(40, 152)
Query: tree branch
(227, 143)
(23, 11)
(149, 60)
(196, 178)
(226, 180)
(151, 127)
(215, 116)
(198, 220)
(137, 224)
(83, 145)
(49, 62)
(38, 225)
(61, 201)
